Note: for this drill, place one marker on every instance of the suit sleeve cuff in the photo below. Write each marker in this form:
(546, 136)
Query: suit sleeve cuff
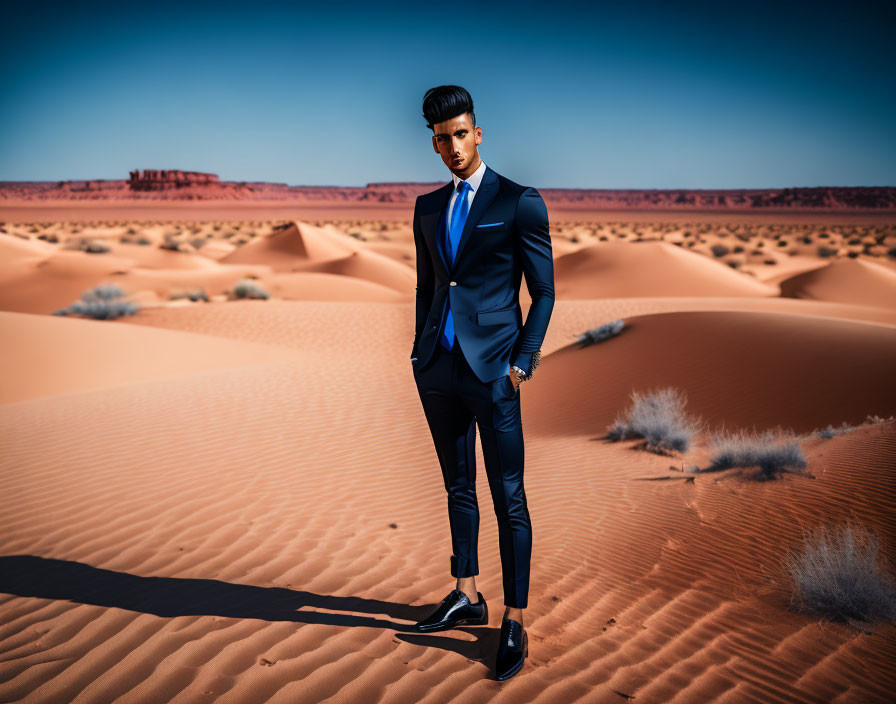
(523, 361)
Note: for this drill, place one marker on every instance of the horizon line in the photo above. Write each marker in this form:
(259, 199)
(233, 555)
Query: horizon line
(445, 182)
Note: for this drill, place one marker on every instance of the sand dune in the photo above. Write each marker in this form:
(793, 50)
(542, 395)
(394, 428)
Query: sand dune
(52, 283)
(739, 369)
(65, 355)
(300, 242)
(648, 269)
(240, 500)
(846, 281)
(323, 286)
(373, 267)
(39, 277)
(14, 250)
(221, 536)
(399, 251)
(562, 246)
(47, 284)
(158, 258)
(303, 247)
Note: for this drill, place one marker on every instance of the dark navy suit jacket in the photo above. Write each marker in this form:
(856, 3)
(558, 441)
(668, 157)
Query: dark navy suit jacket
(505, 236)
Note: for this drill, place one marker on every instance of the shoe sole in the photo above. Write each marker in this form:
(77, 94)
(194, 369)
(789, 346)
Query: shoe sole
(462, 622)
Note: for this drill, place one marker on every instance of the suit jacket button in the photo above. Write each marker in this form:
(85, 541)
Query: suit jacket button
(454, 283)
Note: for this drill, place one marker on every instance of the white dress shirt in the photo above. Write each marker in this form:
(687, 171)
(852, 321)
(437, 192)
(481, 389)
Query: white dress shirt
(474, 180)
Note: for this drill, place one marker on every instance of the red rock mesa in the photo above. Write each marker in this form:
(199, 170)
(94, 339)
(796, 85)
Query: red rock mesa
(162, 180)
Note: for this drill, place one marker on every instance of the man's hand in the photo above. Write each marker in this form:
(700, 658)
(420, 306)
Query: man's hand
(514, 378)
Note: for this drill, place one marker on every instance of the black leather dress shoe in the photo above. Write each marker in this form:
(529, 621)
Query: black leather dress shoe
(512, 650)
(456, 609)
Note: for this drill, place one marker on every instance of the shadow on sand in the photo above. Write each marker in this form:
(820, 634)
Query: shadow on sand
(46, 578)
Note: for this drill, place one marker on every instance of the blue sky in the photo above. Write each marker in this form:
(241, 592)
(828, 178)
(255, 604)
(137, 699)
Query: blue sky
(612, 95)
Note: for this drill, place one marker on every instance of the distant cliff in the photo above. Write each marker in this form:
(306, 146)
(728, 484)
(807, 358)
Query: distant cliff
(175, 185)
(160, 180)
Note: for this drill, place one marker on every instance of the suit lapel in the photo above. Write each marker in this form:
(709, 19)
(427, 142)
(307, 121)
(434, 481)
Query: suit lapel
(433, 222)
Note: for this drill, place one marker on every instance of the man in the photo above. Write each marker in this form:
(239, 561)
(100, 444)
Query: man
(475, 238)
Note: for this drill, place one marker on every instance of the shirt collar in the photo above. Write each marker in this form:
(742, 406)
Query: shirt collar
(475, 178)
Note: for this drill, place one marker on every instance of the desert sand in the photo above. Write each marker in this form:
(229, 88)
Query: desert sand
(238, 500)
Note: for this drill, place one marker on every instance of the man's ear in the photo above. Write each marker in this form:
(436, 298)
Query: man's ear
(435, 146)
(477, 135)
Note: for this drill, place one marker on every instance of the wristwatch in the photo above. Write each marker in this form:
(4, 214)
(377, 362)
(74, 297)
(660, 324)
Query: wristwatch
(536, 358)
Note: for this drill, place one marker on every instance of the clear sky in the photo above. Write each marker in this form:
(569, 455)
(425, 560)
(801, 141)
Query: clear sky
(602, 95)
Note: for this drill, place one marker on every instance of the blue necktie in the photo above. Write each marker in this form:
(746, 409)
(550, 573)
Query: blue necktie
(455, 230)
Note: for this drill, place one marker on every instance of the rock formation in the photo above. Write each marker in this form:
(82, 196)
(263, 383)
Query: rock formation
(164, 179)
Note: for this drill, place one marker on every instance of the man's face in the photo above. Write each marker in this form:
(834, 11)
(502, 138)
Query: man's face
(455, 140)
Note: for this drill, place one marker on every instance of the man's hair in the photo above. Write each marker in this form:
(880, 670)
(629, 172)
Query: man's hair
(444, 102)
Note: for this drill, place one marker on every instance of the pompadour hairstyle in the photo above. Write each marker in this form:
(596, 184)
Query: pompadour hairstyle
(444, 102)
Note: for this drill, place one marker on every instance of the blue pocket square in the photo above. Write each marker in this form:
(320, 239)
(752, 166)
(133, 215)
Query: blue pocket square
(491, 224)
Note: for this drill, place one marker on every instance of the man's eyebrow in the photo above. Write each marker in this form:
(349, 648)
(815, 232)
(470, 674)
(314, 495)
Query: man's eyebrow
(445, 134)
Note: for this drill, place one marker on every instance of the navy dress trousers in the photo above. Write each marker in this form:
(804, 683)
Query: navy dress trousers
(469, 270)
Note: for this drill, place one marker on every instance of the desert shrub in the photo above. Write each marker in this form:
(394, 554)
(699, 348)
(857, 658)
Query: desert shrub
(773, 451)
(84, 244)
(830, 431)
(658, 417)
(103, 292)
(100, 310)
(837, 575)
(135, 239)
(248, 288)
(170, 242)
(103, 302)
(826, 252)
(589, 337)
(876, 419)
(198, 295)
